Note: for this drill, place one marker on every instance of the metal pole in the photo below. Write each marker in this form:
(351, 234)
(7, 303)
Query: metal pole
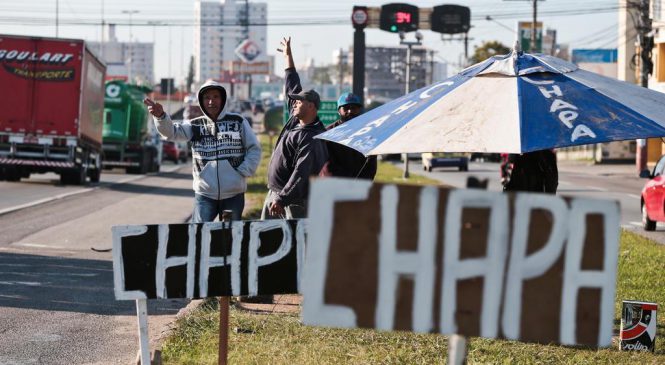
(168, 84)
(101, 44)
(223, 353)
(57, 14)
(359, 63)
(341, 72)
(131, 56)
(646, 45)
(533, 28)
(405, 156)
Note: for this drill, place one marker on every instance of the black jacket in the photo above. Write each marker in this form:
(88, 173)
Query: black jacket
(347, 162)
(297, 155)
(534, 171)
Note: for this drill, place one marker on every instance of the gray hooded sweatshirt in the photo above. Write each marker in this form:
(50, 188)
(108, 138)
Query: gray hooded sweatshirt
(224, 152)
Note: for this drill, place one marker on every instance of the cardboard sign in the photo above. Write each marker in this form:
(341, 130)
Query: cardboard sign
(208, 259)
(528, 267)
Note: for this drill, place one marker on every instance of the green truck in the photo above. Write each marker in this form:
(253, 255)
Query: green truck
(129, 138)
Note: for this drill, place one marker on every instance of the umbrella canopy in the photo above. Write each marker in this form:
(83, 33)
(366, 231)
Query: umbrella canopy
(515, 103)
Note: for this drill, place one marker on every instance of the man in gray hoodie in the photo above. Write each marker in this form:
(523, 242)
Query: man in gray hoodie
(225, 151)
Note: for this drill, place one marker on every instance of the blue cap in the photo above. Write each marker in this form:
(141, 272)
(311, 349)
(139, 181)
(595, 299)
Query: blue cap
(348, 98)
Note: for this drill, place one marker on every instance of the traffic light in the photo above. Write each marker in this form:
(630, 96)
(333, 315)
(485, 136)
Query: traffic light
(450, 19)
(399, 17)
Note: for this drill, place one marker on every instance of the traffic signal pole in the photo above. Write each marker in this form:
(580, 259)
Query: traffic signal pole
(359, 62)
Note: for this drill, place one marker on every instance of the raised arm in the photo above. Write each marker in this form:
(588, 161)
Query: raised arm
(165, 126)
(292, 80)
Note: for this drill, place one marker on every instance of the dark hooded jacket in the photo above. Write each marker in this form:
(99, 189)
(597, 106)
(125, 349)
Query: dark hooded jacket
(534, 171)
(224, 152)
(297, 155)
(346, 162)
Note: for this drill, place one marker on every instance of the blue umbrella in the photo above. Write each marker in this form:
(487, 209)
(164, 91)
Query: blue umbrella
(514, 103)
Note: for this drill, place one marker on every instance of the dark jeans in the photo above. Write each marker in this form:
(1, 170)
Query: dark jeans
(206, 209)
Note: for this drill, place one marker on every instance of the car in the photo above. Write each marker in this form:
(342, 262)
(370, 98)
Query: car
(172, 151)
(431, 160)
(653, 196)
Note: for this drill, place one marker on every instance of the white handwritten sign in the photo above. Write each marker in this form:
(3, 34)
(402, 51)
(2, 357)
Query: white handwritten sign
(529, 267)
(208, 259)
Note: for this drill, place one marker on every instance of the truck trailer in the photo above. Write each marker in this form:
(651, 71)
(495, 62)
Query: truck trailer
(51, 109)
(130, 140)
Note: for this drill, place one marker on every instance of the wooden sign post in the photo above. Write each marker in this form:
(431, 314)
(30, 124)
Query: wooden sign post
(223, 355)
(528, 267)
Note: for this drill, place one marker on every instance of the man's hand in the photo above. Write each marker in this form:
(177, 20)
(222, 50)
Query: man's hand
(276, 209)
(286, 47)
(325, 172)
(155, 109)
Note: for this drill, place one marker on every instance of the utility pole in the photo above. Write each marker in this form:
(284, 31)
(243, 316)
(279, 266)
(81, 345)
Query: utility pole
(533, 27)
(57, 14)
(131, 51)
(248, 77)
(534, 22)
(645, 38)
(341, 72)
(101, 44)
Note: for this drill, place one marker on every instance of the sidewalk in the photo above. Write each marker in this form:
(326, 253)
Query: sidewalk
(627, 169)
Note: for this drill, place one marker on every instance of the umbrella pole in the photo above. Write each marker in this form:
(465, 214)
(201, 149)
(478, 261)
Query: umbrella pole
(406, 165)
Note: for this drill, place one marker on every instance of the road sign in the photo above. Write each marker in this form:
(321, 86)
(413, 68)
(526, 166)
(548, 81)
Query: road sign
(248, 51)
(450, 19)
(359, 16)
(525, 37)
(255, 68)
(327, 112)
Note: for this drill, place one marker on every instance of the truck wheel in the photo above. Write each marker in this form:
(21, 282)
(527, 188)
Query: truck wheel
(77, 176)
(95, 175)
(2, 173)
(97, 171)
(12, 174)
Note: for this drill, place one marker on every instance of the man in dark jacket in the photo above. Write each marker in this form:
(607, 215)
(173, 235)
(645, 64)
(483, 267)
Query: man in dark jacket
(344, 161)
(297, 155)
(534, 171)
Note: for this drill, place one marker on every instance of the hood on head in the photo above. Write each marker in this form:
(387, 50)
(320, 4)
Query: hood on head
(212, 85)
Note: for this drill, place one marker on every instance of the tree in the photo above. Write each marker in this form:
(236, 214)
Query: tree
(190, 74)
(487, 50)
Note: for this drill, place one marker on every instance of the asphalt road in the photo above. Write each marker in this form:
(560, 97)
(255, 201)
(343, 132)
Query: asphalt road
(605, 181)
(56, 294)
(40, 188)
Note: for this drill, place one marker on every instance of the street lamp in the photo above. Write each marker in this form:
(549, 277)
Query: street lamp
(408, 44)
(131, 56)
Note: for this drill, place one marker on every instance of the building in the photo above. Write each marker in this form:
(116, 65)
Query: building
(219, 28)
(385, 71)
(127, 60)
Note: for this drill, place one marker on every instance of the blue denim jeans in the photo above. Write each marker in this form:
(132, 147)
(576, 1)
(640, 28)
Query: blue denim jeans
(207, 210)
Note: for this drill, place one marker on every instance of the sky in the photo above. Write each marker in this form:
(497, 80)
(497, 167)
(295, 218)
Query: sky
(316, 27)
